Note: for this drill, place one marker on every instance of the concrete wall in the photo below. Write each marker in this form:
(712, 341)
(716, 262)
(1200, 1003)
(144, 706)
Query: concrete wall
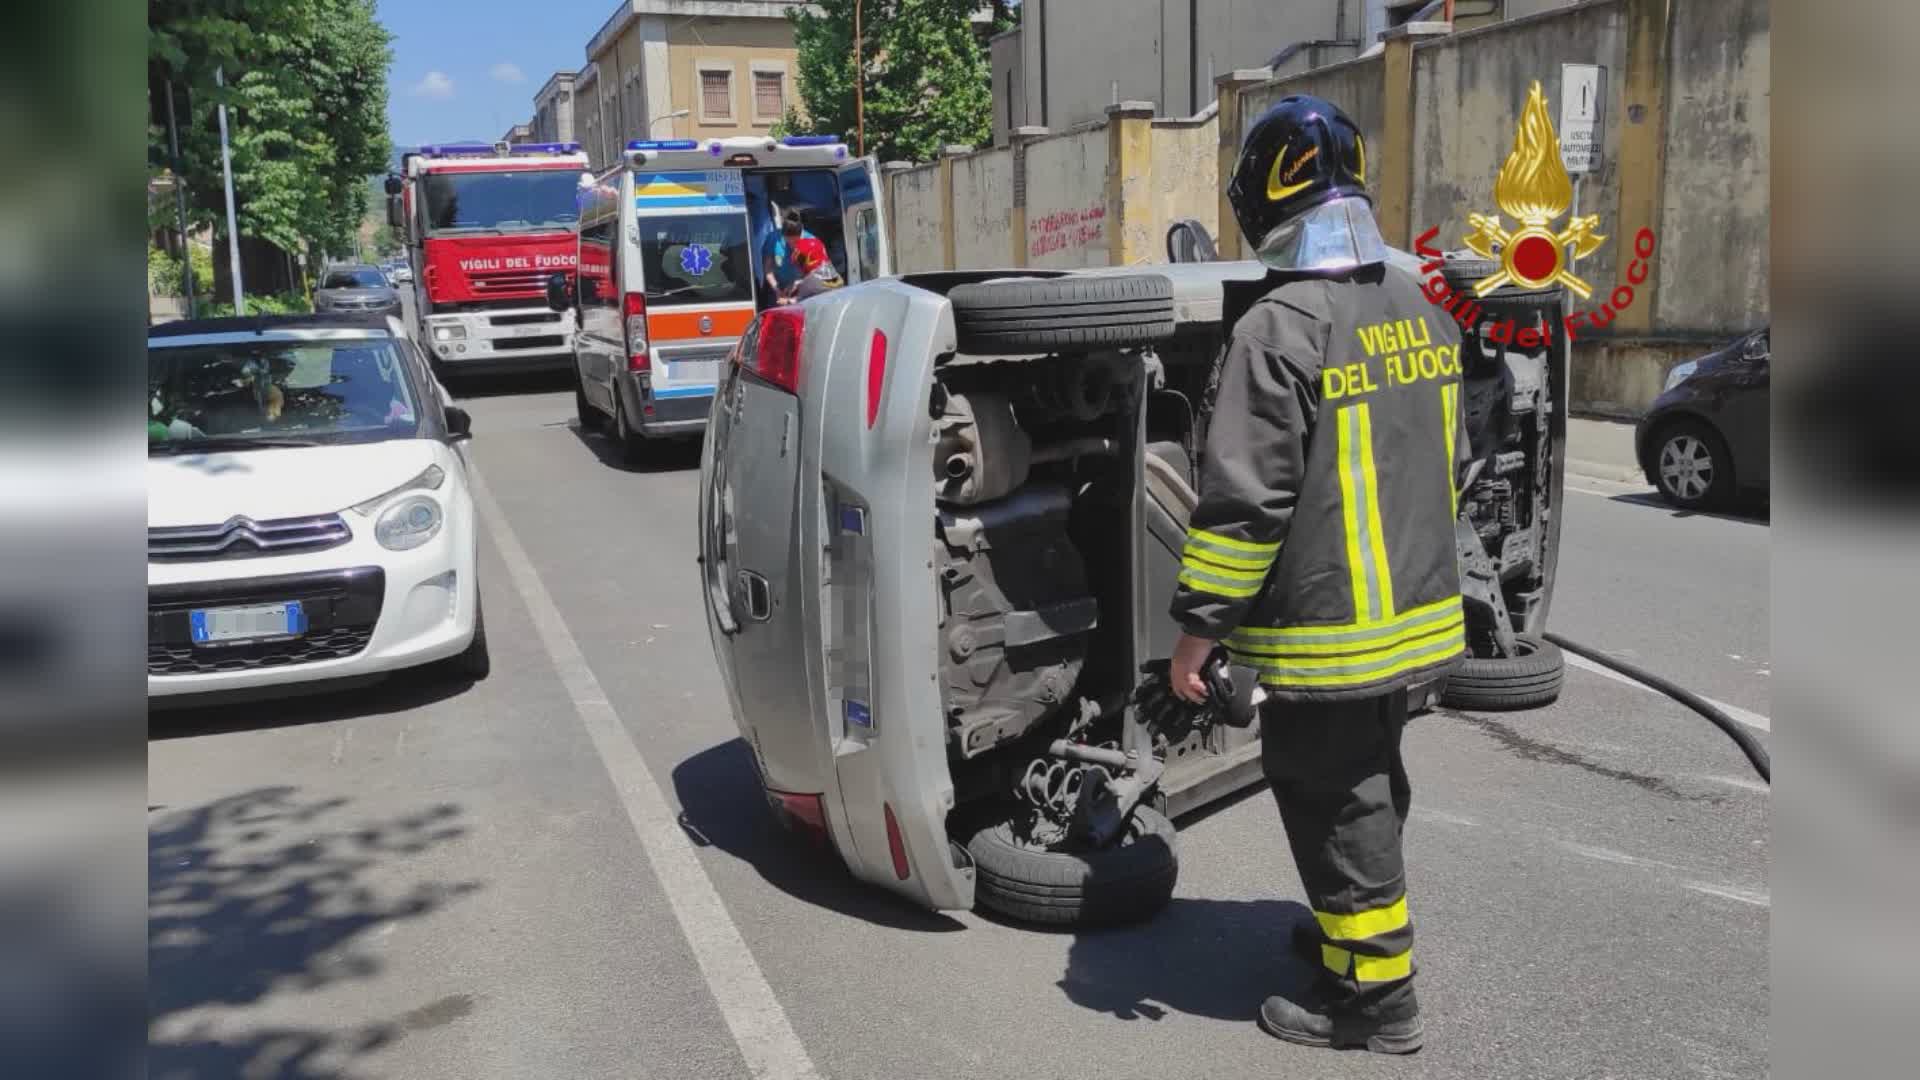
(1469, 90)
(1163, 51)
(982, 199)
(1355, 86)
(1715, 216)
(1067, 200)
(914, 196)
(1185, 178)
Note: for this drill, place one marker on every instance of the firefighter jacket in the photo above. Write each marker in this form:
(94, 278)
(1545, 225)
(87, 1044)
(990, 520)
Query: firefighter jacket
(1322, 548)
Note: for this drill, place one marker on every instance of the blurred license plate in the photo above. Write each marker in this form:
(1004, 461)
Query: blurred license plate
(215, 625)
(691, 372)
(533, 330)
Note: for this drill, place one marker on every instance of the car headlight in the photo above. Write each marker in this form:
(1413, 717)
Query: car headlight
(1680, 374)
(406, 516)
(408, 523)
(453, 332)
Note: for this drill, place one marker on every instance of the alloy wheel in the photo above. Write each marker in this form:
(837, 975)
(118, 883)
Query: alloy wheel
(1686, 468)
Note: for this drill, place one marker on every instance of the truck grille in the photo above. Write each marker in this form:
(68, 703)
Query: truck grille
(244, 538)
(496, 282)
(342, 607)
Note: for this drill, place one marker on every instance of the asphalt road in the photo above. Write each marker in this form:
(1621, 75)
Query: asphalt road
(431, 881)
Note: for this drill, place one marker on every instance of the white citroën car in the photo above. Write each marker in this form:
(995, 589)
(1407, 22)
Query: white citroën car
(941, 517)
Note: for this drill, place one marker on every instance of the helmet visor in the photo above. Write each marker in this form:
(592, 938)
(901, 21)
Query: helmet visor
(1339, 234)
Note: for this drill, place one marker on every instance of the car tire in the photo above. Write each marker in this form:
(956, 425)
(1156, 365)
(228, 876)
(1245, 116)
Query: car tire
(1696, 448)
(474, 662)
(631, 445)
(1126, 883)
(1530, 680)
(1045, 315)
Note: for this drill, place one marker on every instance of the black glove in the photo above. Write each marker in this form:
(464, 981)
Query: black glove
(1230, 694)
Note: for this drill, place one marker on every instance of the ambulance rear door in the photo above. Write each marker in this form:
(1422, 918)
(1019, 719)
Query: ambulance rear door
(865, 228)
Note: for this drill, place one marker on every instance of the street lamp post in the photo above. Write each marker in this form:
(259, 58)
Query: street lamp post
(233, 230)
(859, 88)
(674, 115)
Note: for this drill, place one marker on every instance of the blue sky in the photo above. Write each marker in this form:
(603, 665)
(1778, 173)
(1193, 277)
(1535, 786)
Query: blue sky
(468, 70)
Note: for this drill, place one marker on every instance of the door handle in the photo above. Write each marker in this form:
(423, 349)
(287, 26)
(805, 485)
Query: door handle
(755, 596)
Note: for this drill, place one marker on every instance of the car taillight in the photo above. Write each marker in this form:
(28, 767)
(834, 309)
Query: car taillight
(634, 306)
(876, 374)
(806, 814)
(896, 845)
(777, 356)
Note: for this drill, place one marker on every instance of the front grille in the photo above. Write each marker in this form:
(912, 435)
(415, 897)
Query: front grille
(491, 282)
(192, 660)
(525, 320)
(545, 341)
(342, 607)
(244, 538)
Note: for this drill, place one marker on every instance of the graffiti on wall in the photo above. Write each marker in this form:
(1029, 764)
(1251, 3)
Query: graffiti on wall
(1067, 230)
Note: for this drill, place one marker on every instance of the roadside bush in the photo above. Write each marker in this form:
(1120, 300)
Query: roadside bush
(163, 274)
(289, 303)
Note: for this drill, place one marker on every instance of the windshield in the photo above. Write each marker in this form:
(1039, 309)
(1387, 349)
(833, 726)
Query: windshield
(504, 201)
(696, 259)
(354, 279)
(255, 394)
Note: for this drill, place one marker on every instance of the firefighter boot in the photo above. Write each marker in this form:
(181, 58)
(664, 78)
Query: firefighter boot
(1310, 1023)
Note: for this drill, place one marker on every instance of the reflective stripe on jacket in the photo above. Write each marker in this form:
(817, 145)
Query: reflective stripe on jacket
(1322, 547)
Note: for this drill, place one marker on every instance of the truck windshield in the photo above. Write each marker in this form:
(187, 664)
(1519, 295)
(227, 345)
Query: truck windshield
(696, 259)
(503, 201)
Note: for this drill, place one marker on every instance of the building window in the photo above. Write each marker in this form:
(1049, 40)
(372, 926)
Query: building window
(769, 96)
(716, 93)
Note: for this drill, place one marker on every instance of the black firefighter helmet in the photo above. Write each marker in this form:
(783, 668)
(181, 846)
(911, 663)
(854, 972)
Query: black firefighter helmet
(1301, 153)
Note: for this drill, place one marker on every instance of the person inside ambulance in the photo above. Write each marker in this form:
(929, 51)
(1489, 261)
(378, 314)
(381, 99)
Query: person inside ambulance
(1321, 553)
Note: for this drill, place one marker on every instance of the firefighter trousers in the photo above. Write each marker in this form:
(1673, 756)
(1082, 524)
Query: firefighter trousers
(1336, 771)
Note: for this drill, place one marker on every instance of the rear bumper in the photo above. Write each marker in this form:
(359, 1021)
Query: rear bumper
(662, 414)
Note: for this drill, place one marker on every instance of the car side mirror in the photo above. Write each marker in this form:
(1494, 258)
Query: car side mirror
(395, 216)
(394, 185)
(559, 296)
(459, 424)
(1757, 349)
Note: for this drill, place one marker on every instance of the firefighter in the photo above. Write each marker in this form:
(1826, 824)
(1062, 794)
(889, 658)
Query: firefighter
(1321, 553)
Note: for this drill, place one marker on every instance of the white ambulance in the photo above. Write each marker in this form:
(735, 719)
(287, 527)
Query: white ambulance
(676, 244)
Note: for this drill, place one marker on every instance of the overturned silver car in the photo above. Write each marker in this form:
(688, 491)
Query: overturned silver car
(941, 517)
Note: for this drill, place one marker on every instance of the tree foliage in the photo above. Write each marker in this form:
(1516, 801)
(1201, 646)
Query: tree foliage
(925, 77)
(306, 97)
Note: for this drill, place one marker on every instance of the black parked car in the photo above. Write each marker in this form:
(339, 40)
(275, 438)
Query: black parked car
(1705, 440)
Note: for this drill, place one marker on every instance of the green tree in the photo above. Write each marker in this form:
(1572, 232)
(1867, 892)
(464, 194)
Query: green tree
(925, 77)
(306, 96)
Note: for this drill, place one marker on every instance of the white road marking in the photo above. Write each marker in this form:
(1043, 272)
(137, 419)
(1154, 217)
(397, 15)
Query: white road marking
(753, 1014)
(1744, 716)
(1745, 896)
(1428, 813)
(1730, 892)
(1740, 782)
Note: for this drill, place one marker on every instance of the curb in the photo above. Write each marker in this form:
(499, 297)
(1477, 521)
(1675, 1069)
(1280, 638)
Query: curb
(1619, 474)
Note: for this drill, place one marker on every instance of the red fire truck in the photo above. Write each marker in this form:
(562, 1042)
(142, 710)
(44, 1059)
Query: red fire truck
(485, 227)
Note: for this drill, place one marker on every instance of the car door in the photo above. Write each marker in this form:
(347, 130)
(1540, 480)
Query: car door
(1747, 411)
(864, 227)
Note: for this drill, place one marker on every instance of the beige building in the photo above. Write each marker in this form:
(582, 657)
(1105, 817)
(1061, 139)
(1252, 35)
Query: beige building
(553, 109)
(685, 69)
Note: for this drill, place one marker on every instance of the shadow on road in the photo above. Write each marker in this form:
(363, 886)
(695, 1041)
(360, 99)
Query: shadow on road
(264, 895)
(465, 387)
(1212, 958)
(301, 703)
(667, 455)
(1744, 513)
(722, 806)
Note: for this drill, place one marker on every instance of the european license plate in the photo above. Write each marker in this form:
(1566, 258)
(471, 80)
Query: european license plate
(212, 626)
(690, 372)
(532, 330)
